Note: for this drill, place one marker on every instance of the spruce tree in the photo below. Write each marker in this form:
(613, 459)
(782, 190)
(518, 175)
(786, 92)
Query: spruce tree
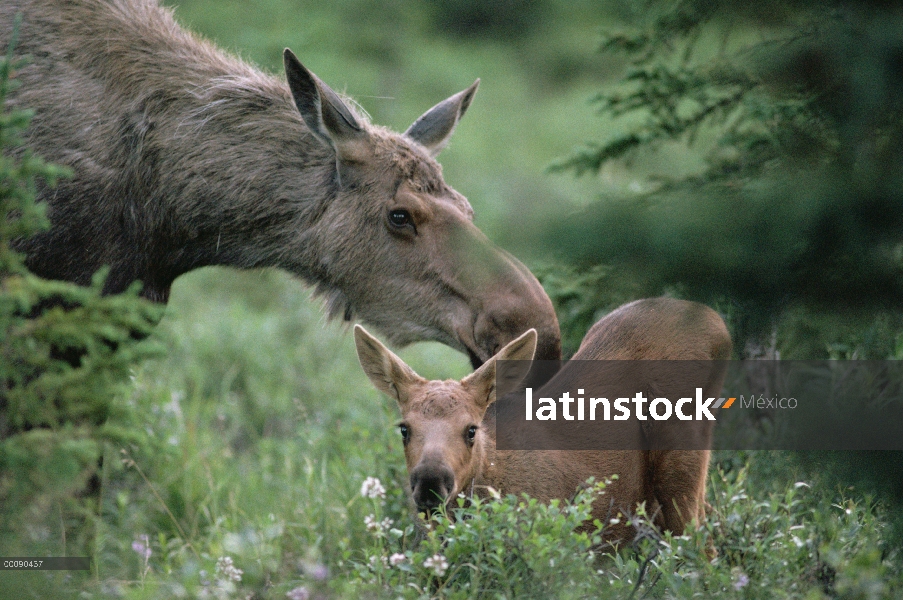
(794, 223)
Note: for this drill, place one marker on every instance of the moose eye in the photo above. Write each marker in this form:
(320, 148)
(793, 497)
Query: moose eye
(399, 218)
(405, 433)
(471, 434)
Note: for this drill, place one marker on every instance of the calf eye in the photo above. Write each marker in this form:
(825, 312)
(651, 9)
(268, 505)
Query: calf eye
(471, 434)
(405, 433)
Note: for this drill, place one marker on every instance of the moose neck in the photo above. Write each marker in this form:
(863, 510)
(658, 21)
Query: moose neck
(240, 180)
(253, 190)
(509, 472)
(192, 157)
(517, 471)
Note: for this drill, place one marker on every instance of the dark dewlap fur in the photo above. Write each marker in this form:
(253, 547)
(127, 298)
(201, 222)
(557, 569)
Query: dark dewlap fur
(185, 157)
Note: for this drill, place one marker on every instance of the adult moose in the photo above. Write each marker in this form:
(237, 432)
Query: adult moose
(185, 157)
(449, 435)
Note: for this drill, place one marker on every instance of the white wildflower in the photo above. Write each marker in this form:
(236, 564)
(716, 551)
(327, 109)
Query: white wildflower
(373, 488)
(437, 563)
(396, 559)
(227, 570)
(299, 593)
(375, 526)
(318, 572)
(741, 582)
(142, 547)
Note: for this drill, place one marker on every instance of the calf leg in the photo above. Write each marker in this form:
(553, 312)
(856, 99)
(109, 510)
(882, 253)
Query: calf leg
(678, 485)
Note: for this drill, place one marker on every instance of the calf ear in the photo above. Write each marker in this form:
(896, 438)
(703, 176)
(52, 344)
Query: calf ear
(482, 382)
(386, 371)
(434, 128)
(324, 113)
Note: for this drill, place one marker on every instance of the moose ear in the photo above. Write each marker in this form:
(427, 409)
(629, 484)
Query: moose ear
(483, 381)
(434, 128)
(324, 113)
(388, 373)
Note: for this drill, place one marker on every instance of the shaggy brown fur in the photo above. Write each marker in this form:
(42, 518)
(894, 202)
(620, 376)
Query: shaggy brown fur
(438, 417)
(184, 156)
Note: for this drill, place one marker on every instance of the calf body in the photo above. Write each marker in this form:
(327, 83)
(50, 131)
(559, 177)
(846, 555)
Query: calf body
(184, 157)
(449, 433)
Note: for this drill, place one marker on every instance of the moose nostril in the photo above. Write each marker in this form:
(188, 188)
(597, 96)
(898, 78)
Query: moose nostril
(431, 486)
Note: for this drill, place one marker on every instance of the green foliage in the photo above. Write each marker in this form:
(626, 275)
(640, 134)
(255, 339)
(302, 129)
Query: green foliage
(21, 216)
(581, 297)
(502, 19)
(508, 547)
(792, 539)
(65, 353)
(796, 200)
(696, 71)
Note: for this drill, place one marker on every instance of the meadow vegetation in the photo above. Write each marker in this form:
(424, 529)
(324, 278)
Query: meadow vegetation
(238, 441)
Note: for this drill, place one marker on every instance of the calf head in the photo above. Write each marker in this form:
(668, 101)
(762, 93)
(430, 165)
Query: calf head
(444, 444)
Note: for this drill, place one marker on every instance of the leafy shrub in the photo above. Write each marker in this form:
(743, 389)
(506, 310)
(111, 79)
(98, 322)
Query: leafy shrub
(751, 545)
(514, 547)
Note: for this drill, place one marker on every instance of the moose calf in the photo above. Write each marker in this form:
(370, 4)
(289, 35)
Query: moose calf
(449, 436)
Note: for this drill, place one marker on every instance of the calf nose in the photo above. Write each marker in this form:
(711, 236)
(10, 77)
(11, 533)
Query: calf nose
(431, 485)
